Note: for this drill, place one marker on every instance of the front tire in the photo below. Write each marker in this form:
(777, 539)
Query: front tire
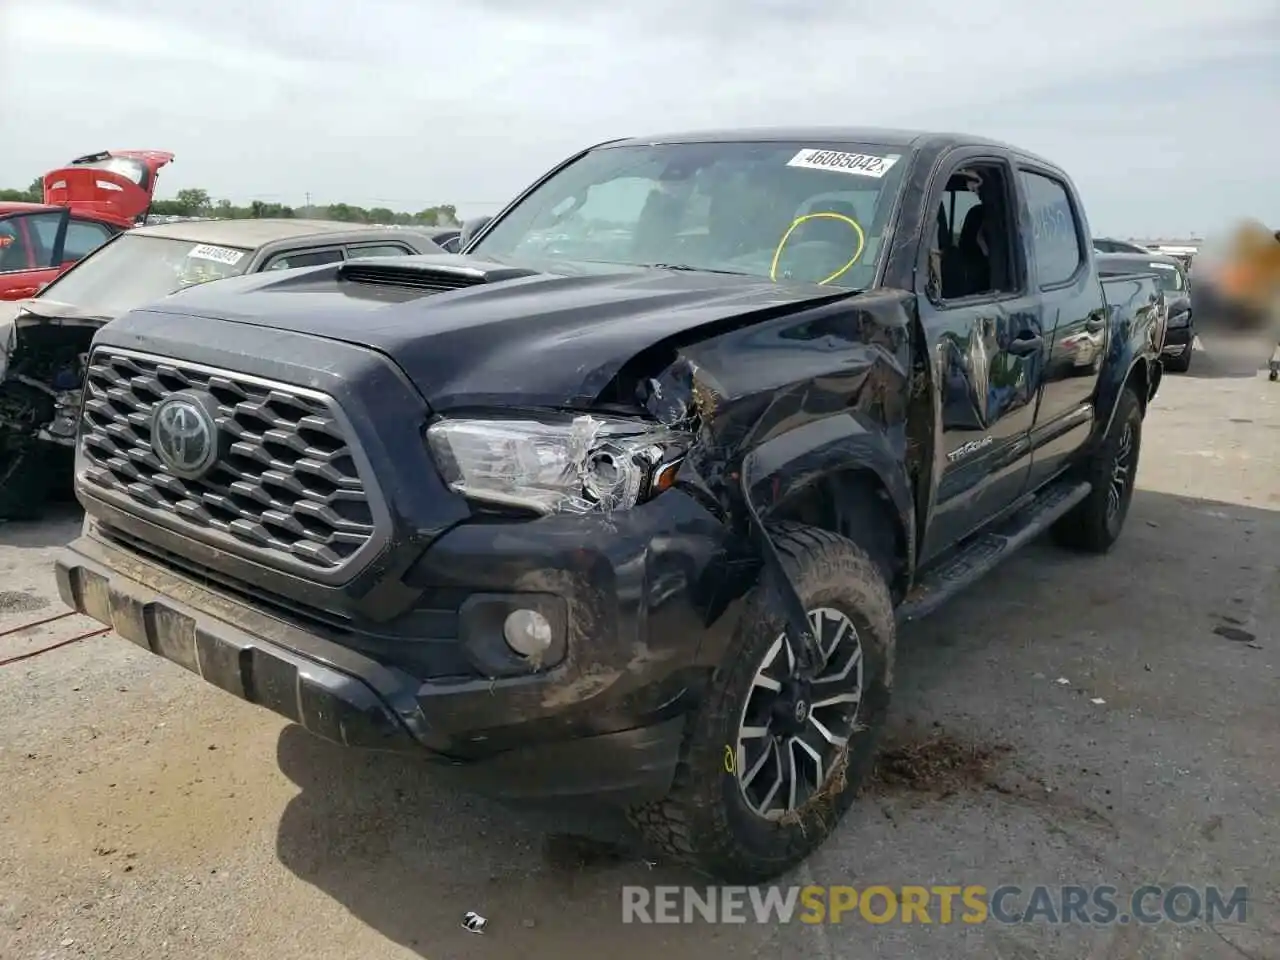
(772, 760)
(1094, 525)
(1181, 363)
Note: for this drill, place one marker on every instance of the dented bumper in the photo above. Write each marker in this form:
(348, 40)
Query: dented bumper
(644, 603)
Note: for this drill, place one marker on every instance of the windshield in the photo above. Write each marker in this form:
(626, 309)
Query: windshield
(784, 211)
(132, 271)
(1170, 277)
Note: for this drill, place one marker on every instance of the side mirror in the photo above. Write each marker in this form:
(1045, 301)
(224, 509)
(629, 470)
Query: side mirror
(470, 229)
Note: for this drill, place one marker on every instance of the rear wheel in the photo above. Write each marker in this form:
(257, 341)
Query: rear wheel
(1094, 525)
(774, 755)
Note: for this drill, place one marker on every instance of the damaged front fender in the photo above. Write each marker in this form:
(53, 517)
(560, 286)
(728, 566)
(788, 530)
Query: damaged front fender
(782, 404)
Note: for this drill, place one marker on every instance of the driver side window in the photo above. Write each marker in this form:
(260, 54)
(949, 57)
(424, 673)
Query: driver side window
(971, 254)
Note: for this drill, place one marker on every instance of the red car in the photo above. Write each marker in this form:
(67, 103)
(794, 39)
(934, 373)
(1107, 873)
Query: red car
(86, 203)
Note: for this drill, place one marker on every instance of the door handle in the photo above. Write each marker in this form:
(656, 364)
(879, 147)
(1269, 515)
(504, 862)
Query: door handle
(1025, 345)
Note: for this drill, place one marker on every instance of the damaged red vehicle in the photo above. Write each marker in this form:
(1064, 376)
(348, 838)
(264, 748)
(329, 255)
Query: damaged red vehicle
(86, 203)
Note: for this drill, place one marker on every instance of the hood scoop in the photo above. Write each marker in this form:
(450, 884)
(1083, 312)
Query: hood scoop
(430, 272)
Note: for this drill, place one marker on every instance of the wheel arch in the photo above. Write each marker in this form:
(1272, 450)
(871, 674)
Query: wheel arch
(1138, 377)
(844, 475)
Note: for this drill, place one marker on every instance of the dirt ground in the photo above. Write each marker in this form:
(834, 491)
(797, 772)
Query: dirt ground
(144, 814)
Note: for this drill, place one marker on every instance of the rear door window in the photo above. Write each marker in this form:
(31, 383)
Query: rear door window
(1055, 230)
(84, 237)
(27, 240)
(304, 258)
(378, 250)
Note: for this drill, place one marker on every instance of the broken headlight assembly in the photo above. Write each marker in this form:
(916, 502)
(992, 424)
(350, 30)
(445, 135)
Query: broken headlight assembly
(575, 465)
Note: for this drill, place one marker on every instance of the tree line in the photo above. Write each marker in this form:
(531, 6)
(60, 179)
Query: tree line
(194, 202)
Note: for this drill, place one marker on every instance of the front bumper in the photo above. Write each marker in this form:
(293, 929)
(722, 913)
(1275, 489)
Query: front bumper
(1178, 340)
(606, 721)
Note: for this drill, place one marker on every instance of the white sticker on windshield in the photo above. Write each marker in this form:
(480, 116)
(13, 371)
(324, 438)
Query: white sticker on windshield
(861, 164)
(207, 251)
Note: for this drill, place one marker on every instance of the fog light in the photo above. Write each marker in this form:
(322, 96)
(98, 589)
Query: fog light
(527, 632)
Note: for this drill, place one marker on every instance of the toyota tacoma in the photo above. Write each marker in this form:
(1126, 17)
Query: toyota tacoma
(626, 499)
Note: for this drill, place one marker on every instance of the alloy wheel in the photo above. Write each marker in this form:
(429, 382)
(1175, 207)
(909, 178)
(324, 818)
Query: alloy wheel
(794, 729)
(1121, 474)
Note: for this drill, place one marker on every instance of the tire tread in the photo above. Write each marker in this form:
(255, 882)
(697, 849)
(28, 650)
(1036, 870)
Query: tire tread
(1084, 528)
(677, 825)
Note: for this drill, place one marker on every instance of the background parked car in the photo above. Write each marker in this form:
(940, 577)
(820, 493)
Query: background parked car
(1180, 333)
(449, 238)
(44, 344)
(1108, 245)
(86, 203)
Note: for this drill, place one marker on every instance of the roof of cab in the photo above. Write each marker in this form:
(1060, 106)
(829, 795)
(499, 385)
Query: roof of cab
(21, 206)
(1138, 259)
(257, 233)
(885, 136)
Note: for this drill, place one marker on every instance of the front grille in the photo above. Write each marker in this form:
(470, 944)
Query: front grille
(287, 491)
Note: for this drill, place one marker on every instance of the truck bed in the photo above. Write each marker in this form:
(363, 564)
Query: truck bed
(1135, 300)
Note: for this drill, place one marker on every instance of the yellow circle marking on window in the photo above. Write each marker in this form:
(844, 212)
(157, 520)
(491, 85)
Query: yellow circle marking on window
(821, 215)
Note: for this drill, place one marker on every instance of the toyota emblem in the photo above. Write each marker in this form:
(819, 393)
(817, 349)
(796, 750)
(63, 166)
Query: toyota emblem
(184, 435)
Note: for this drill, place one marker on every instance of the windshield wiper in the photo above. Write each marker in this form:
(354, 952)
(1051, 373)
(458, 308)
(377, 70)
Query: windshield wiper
(687, 268)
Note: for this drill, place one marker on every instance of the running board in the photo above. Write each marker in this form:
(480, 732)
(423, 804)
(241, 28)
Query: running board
(981, 555)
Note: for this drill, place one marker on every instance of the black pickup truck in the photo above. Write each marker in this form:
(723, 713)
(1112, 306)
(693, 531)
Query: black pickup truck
(626, 499)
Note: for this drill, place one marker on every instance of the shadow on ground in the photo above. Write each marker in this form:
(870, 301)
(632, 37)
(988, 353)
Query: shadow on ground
(59, 526)
(409, 856)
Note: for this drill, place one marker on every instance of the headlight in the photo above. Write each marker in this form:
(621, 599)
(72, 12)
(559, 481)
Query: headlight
(572, 466)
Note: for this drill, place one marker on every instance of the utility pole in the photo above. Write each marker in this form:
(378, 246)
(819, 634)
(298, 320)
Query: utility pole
(308, 196)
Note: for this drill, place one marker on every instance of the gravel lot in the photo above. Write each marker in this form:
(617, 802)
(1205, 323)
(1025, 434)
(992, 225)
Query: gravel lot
(144, 814)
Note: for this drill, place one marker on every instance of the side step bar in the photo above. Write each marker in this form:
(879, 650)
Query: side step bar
(982, 554)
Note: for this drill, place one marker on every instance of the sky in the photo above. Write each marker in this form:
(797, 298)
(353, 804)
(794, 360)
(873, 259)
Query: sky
(1165, 112)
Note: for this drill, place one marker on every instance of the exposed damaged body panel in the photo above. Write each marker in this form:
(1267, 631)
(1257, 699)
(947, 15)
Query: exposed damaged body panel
(783, 405)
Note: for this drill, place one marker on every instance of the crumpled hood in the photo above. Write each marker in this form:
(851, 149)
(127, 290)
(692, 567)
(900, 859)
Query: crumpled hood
(552, 337)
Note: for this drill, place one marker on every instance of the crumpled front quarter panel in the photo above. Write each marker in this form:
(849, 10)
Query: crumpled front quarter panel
(750, 388)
